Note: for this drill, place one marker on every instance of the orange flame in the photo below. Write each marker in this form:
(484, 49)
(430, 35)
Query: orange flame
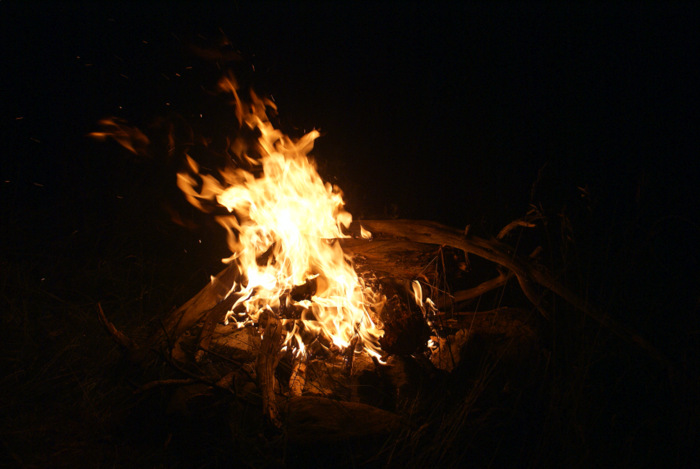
(283, 228)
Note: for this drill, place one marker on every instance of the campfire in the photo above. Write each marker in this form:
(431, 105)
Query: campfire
(314, 308)
(283, 227)
(293, 281)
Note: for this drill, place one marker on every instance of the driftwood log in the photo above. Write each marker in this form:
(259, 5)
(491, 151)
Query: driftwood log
(527, 273)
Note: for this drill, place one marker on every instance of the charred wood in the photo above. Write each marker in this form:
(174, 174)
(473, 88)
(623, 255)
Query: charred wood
(265, 366)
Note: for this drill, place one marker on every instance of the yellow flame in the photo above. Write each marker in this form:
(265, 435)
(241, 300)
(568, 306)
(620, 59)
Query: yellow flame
(364, 234)
(127, 136)
(283, 226)
(427, 306)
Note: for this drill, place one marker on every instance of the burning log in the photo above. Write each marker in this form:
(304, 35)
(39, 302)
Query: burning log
(267, 361)
(213, 316)
(349, 355)
(200, 305)
(297, 380)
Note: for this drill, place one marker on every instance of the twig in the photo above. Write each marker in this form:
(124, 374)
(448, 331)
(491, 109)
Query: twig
(465, 295)
(130, 347)
(164, 382)
(509, 227)
(220, 383)
(501, 310)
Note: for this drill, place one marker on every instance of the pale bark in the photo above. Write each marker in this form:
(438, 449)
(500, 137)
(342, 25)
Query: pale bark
(527, 273)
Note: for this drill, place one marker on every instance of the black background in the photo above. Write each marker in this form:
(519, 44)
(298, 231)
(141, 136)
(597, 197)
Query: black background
(428, 111)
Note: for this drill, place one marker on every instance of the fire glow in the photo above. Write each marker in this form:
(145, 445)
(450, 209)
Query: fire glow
(283, 227)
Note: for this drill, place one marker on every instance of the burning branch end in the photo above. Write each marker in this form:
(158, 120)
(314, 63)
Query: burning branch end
(266, 364)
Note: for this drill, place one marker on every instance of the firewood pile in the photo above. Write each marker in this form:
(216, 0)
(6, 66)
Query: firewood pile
(332, 395)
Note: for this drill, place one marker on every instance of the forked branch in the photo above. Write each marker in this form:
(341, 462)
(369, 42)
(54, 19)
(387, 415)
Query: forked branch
(528, 274)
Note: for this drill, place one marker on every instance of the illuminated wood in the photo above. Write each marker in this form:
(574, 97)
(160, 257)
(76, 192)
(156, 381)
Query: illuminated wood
(267, 361)
(528, 274)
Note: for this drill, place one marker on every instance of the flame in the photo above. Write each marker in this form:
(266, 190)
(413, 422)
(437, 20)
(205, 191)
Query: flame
(364, 234)
(427, 307)
(127, 136)
(283, 226)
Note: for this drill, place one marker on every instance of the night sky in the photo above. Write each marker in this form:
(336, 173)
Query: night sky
(438, 111)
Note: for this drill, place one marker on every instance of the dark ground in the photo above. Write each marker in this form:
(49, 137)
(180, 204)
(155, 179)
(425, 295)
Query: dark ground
(464, 115)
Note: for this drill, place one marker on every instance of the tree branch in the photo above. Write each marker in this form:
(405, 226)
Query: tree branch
(527, 274)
